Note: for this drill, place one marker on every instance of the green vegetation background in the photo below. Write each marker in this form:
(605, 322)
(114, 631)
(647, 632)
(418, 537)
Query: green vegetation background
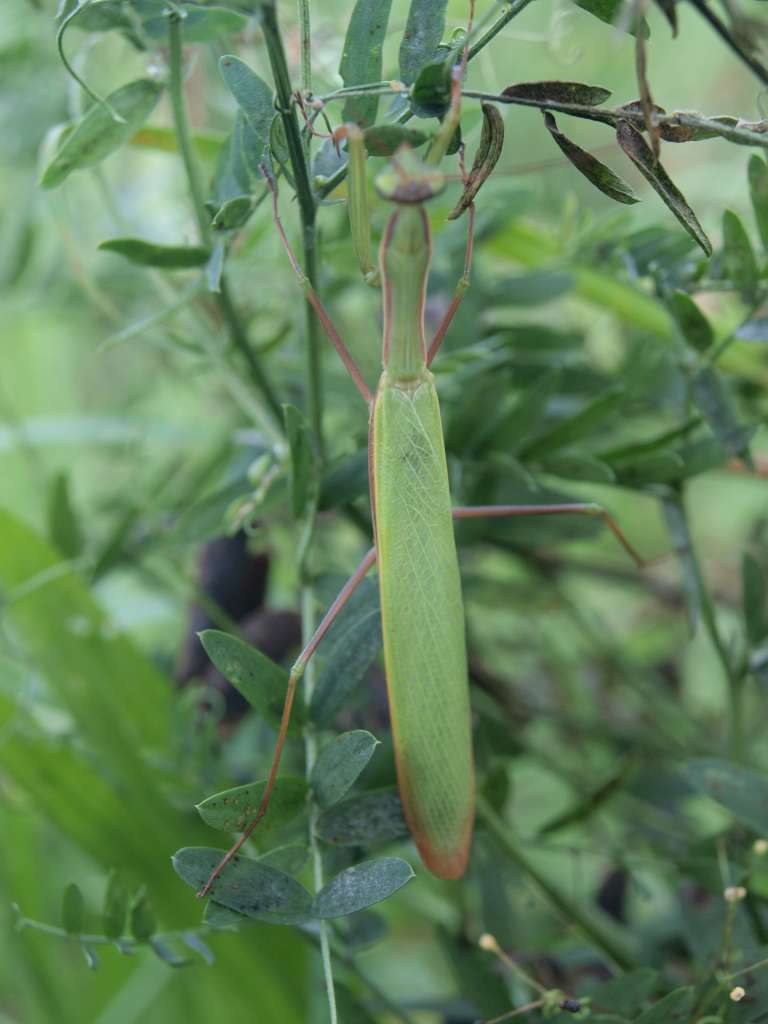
(101, 760)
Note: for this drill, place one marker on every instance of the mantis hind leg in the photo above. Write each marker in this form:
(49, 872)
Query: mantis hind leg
(297, 671)
(577, 509)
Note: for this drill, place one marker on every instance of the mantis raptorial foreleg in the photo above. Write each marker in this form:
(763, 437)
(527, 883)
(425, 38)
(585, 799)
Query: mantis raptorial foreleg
(297, 671)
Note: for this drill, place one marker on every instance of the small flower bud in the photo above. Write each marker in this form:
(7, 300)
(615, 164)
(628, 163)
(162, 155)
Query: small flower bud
(488, 943)
(737, 994)
(760, 847)
(735, 893)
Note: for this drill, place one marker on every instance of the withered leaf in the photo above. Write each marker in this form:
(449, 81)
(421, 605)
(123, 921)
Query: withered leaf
(602, 177)
(558, 92)
(486, 158)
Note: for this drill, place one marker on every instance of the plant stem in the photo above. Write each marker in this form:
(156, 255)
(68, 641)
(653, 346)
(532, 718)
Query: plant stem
(223, 298)
(571, 911)
(305, 34)
(310, 748)
(307, 206)
(513, 9)
(674, 511)
(730, 40)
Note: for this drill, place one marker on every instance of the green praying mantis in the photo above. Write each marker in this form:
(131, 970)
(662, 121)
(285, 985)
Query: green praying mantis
(414, 548)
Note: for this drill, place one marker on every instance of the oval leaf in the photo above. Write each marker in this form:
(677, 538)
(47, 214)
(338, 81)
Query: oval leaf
(255, 99)
(364, 818)
(234, 809)
(742, 792)
(246, 886)
(142, 917)
(598, 173)
(97, 133)
(339, 764)
(150, 254)
(486, 158)
(421, 39)
(361, 57)
(115, 907)
(262, 682)
(694, 326)
(757, 171)
(72, 909)
(361, 886)
(641, 155)
(739, 262)
(753, 599)
(558, 92)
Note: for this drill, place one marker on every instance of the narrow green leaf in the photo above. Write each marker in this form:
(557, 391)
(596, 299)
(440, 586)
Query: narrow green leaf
(164, 952)
(246, 886)
(361, 59)
(576, 466)
(194, 942)
(97, 134)
(680, 535)
(72, 909)
(386, 139)
(655, 468)
(151, 254)
(558, 92)
(421, 39)
(234, 809)
(339, 764)
(672, 1009)
(486, 158)
(753, 599)
(712, 395)
(234, 176)
(142, 917)
(694, 326)
(262, 682)
(361, 886)
(743, 792)
(669, 9)
(641, 155)
(364, 818)
(91, 960)
(757, 172)
(255, 99)
(305, 484)
(601, 176)
(739, 261)
(353, 643)
(115, 906)
(574, 428)
(63, 525)
(529, 412)
(103, 17)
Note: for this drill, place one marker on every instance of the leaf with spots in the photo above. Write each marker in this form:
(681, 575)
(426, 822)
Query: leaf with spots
(361, 886)
(364, 818)
(594, 170)
(234, 809)
(339, 764)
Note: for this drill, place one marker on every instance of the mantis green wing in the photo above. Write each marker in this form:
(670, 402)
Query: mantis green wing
(422, 622)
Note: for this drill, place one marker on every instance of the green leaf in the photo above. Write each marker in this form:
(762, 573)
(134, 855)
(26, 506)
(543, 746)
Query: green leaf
(164, 952)
(72, 910)
(115, 906)
(194, 942)
(430, 94)
(613, 12)
(361, 59)
(352, 644)
(233, 809)
(256, 101)
(744, 793)
(757, 172)
(142, 917)
(361, 886)
(234, 175)
(626, 993)
(105, 16)
(421, 39)
(739, 261)
(601, 176)
(641, 155)
(233, 213)
(672, 1009)
(305, 484)
(712, 395)
(574, 428)
(290, 858)
(575, 466)
(386, 139)
(262, 682)
(753, 599)
(246, 886)
(558, 92)
(364, 818)
(486, 158)
(694, 326)
(63, 526)
(655, 468)
(339, 764)
(97, 133)
(151, 254)
(199, 25)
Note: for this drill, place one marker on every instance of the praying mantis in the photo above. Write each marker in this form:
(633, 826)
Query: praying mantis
(414, 548)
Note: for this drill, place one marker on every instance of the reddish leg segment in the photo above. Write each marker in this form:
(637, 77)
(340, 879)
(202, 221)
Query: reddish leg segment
(461, 289)
(296, 673)
(586, 509)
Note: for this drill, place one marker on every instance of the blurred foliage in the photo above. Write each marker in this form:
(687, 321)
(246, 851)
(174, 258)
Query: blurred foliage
(157, 394)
